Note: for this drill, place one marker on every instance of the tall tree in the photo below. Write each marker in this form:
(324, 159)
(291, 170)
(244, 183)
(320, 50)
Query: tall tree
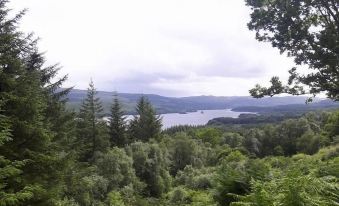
(92, 131)
(309, 32)
(147, 124)
(30, 96)
(11, 173)
(117, 124)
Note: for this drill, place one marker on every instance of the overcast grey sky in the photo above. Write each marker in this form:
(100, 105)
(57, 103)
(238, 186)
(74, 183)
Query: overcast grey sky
(167, 47)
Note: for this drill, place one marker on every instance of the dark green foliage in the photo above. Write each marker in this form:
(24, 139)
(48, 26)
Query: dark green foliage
(307, 31)
(92, 131)
(117, 125)
(33, 106)
(146, 125)
(11, 173)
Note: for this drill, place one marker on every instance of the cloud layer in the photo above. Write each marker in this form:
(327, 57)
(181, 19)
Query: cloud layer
(168, 47)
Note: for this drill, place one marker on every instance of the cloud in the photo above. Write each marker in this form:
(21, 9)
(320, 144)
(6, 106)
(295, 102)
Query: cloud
(169, 47)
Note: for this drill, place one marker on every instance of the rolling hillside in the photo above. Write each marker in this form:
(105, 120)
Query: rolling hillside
(188, 104)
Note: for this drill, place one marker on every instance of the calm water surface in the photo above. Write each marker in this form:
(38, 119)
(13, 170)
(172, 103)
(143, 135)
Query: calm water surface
(200, 117)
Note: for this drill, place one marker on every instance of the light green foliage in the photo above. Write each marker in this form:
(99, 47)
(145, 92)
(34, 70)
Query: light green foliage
(66, 202)
(296, 185)
(332, 127)
(210, 135)
(234, 174)
(184, 197)
(117, 167)
(92, 190)
(193, 178)
(114, 199)
(184, 151)
(234, 140)
(151, 165)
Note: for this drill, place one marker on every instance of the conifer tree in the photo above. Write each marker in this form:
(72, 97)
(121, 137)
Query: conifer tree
(30, 97)
(117, 124)
(10, 172)
(146, 124)
(92, 131)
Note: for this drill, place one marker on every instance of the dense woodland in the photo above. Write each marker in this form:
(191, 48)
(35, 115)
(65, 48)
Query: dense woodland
(50, 155)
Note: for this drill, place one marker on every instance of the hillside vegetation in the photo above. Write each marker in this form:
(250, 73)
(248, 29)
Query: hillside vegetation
(53, 156)
(190, 104)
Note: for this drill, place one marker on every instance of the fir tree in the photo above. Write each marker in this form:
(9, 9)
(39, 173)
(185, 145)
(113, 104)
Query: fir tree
(29, 98)
(92, 131)
(10, 172)
(117, 125)
(146, 124)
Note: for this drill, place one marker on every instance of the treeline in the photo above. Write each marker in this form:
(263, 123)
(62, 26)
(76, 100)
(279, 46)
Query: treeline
(250, 119)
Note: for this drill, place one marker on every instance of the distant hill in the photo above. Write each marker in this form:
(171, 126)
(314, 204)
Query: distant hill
(289, 108)
(273, 114)
(185, 104)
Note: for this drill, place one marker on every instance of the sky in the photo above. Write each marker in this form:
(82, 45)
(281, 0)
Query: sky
(166, 47)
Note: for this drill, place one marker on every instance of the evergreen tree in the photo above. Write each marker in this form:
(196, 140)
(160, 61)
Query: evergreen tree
(10, 172)
(146, 124)
(92, 131)
(30, 99)
(117, 124)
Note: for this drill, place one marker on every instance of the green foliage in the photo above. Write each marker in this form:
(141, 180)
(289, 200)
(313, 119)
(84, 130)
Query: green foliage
(307, 31)
(146, 125)
(210, 135)
(117, 167)
(234, 140)
(151, 165)
(10, 172)
(332, 127)
(234, 174)
(117, 125)
(292, 188)
(114, 199)
(33, 104)
(184, 197)
(192, 178)
(184, 151)
(92, 131)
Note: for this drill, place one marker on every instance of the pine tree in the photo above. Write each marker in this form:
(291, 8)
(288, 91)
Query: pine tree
(30, 98)
(146, 124)
(117, 125)
(92, 131)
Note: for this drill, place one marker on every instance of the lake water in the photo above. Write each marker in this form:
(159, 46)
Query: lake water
(200, 117)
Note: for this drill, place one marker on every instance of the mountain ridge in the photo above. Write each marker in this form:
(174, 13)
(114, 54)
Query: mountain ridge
(165, 104)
